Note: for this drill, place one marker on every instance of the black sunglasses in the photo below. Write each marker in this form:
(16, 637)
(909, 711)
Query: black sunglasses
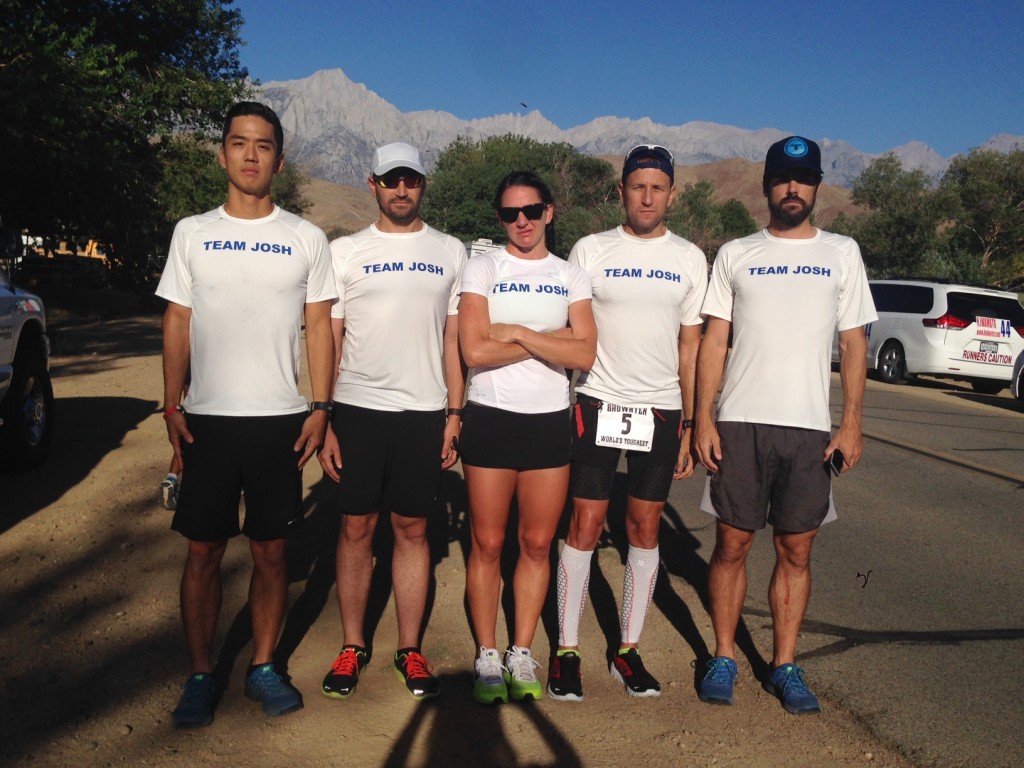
(392, 179)
(533, 212)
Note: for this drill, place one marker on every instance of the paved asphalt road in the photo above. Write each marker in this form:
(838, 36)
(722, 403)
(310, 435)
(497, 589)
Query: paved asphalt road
(916, 621)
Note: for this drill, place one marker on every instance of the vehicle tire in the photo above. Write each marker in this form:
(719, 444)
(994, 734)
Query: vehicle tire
(1017, 382)
(27, 414)
(988, 386)
(892, 363)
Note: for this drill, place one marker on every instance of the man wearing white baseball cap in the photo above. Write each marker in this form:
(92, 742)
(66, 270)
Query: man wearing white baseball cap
(397, 408)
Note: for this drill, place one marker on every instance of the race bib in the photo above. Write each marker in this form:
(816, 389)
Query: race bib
(625, 426)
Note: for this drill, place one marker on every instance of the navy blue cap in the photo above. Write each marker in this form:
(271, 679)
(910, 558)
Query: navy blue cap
(792, 152)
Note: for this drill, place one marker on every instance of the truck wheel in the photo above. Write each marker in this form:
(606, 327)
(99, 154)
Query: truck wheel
(27, 414)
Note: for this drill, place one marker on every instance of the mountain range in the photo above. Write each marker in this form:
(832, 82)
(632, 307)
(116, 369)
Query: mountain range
(332, 126)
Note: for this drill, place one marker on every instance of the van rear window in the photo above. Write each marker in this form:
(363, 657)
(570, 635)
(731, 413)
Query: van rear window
(971, 305)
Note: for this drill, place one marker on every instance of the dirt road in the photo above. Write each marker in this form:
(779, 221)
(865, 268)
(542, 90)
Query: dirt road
(92, 656)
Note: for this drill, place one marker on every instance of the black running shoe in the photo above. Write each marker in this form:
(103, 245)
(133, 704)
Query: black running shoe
(414, 670)
(340, 682)
(564, 680)
(628, 668)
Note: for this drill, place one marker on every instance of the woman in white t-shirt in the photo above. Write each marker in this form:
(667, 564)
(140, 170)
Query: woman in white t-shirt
(524, 317)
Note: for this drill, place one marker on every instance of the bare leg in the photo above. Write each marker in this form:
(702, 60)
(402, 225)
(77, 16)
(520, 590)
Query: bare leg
(353, 570)
(201, 595)
(410, 576)
(490, 495)
(727, 585)
(541, 494)
(789, 591)
(268, 595)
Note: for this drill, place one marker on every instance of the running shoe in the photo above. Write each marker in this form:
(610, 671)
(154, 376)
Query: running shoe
(489, 686)
(340, 682)
(521, 674)
(195, 707)
(415, 671)
(628, 668)
(716, 687)
(169, 491)
(271, 690)
(787, 683)
(564, 680)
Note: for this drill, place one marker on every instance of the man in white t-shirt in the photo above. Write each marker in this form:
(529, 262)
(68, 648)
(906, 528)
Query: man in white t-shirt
(239, 281)
(648, 285)
(398, 405)
(782, 292)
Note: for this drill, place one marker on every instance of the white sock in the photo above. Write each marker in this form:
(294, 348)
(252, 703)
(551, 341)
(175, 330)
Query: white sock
(637, 591)
(572, 579)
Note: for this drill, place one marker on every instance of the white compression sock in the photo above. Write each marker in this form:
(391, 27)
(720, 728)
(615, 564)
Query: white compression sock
(637, 591)
(572, 579)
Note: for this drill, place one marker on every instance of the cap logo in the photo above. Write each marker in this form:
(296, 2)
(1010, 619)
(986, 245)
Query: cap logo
(796, 147)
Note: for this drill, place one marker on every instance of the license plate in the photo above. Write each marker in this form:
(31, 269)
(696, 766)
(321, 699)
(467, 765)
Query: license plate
(989, 346)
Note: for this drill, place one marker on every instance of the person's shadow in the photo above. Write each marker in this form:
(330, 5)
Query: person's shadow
(456, 732)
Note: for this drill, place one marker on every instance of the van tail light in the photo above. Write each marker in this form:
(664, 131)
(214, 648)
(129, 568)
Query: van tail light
(1019, 329)
(947, 322)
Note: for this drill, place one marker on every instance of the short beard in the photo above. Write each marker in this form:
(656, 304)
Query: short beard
(403, 219)
(790, 219)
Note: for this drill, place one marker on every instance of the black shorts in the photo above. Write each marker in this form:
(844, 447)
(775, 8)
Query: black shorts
(650, 472)
(500, 439)
(235, 453)
(771, 474)
(391, 460)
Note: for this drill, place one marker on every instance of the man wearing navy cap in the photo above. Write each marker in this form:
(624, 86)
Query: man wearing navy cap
(770, 451)
(648, 285)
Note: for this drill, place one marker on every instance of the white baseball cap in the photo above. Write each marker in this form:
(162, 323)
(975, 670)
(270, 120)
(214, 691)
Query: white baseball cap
(396, 155)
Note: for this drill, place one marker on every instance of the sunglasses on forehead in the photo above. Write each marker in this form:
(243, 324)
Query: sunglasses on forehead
(533, 212)
(392, 179)
(651, 149)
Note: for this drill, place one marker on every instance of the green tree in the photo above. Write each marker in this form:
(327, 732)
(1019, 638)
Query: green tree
(900, 235)
(696, 216)
(460, 191)
(987, 189)
(91, 91)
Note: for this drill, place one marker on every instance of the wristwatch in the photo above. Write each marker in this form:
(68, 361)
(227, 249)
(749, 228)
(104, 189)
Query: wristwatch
(318, 406)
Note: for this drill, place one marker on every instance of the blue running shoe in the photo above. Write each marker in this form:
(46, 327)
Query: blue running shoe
(787, 683)
(267, 687)
(195, 707)
(716, 687)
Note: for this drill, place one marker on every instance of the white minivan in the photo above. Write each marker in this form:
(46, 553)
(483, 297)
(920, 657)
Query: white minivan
(945, 329)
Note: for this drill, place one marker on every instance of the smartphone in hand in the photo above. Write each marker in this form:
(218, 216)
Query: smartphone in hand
(835, 462)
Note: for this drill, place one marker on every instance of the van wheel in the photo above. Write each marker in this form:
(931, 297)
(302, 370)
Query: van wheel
(988, 386)
(892, 363)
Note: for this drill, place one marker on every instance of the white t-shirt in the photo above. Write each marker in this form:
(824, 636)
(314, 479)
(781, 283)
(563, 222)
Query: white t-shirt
(644, 290)
(395, 292)
(247, 282)
(535, 293)
(785, 298)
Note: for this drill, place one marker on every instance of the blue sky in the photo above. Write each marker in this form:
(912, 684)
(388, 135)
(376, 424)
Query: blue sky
(950, 74)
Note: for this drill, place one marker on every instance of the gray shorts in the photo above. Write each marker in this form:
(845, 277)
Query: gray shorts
(771, 474)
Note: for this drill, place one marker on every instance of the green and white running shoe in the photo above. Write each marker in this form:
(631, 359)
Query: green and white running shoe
(521, 674)
(489, 686)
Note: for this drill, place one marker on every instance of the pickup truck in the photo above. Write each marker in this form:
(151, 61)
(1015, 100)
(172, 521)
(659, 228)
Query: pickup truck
(26, 395)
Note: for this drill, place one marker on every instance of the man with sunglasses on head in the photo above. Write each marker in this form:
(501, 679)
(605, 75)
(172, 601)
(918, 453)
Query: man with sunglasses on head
(769, 451)
(648, 287)
(398, 395)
